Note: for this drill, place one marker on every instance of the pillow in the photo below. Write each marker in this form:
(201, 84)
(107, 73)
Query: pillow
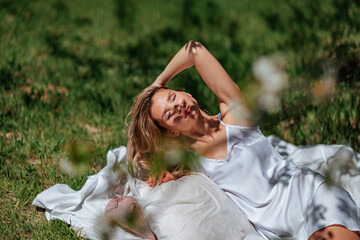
(192, 207)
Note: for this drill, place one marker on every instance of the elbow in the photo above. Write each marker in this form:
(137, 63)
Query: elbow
(190, 42)
(194, 47)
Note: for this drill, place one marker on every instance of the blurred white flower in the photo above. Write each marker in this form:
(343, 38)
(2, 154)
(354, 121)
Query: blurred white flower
(66, 167)
(272, 78)
(269, 101)
(241, 111)
(173, 156)
(341, 163)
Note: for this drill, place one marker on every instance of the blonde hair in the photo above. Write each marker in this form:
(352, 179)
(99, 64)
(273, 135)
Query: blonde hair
(145, 137)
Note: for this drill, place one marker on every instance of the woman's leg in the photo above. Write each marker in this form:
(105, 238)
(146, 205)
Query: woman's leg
(334, 232)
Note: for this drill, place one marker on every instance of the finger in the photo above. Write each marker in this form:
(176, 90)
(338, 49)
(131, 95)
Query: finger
(151, 181)
(170, 176)
(161, 176)
(188, 44)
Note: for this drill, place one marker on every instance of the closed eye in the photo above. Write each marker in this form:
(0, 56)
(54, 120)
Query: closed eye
(168, 115)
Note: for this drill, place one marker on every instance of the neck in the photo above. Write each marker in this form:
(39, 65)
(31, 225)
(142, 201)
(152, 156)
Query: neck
(204, 128)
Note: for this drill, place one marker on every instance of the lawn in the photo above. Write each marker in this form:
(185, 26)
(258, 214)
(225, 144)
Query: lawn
(70, 69)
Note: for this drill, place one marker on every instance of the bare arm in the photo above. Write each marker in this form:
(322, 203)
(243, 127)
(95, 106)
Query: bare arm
(213, 74)
(181, 61)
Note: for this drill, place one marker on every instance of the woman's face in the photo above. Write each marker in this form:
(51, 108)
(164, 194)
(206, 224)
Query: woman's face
(174, 110)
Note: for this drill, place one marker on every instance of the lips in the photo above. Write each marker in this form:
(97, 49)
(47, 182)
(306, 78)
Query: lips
(187, 111)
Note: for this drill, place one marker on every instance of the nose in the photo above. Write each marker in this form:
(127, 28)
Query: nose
(179, 106)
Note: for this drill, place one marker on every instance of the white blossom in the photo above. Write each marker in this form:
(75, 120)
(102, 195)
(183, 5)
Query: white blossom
(272, 79)
(66, 167)
(341, 163)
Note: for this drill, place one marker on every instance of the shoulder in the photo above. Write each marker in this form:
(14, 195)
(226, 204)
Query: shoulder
(235, 113)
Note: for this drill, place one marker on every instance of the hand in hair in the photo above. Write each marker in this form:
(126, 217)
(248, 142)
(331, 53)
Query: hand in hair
(164, 177)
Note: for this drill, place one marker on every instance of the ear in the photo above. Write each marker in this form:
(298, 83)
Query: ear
(173, 133)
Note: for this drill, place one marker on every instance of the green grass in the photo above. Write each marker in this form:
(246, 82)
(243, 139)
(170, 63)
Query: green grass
(70, 69)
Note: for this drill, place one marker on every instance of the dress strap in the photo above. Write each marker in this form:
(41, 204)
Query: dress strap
(219, 118)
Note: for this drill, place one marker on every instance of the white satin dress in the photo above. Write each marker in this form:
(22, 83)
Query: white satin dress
(281, 200)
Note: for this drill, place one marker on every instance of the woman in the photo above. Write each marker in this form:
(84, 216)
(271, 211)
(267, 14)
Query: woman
(279, 198)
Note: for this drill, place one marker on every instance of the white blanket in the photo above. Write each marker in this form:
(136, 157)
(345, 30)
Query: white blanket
(339, 162)
(85, 208)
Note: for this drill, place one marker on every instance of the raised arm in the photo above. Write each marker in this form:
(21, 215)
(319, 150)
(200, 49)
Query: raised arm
(211, 71)
(181, 61)
(213, 74)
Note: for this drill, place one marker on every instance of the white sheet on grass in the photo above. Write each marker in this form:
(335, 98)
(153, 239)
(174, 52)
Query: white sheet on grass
(82, 209)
